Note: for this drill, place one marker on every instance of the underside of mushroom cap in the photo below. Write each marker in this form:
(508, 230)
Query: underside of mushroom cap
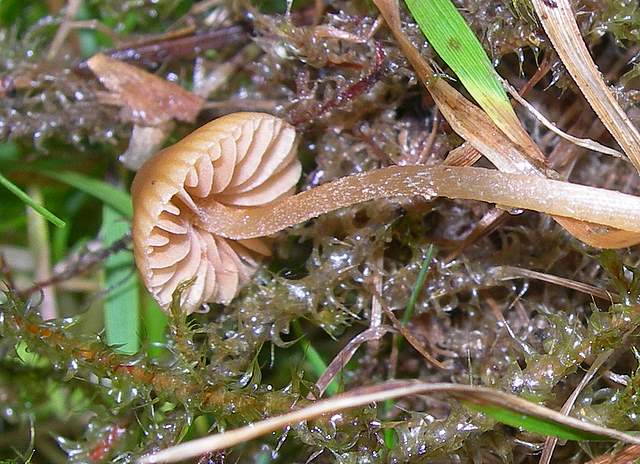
(242, 159)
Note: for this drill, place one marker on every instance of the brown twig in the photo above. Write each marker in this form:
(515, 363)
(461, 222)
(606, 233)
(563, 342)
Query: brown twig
(375, 316)
(79, 265)
(428, 145)
(497, 312)
(345, 355)
(491, 221)
(229, 106)
(364, 396)
(542, 71)
(7, 274)
(61, 34)
(628, 455)
(511, 272)
(156, 51)
(413, 341)
(350, 93)
(550, 442)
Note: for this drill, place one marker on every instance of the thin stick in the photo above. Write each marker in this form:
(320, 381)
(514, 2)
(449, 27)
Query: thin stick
(428, 145)
(63, 30)
(584, 143)
(345, 355)
(489, 222)
(628, 455)
(13, 188)
(375, 316)
(559, 22)
(365, 396)
(550, 442)
(413, 341)
(512, 272)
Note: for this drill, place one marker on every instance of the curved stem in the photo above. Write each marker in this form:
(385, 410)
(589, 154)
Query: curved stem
(595, 205)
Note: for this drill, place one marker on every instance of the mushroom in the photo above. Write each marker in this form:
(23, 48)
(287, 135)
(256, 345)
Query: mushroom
(203, 205)
(239, 160)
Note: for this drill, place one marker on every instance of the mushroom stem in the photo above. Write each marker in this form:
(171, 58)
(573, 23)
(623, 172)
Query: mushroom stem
(595, 205)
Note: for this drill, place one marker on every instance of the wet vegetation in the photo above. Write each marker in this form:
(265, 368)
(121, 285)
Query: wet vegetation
(333, 70)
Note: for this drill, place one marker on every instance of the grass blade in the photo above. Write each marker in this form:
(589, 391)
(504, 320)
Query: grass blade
(417, 289)
(117, 199)
(558, 20)
(448, 33)
(389, 436)
(40, 246)
(121, 308)
(544, 427)
(26, 199)
(319, 366)
(509, 408)
(155, 322)
(315, 360)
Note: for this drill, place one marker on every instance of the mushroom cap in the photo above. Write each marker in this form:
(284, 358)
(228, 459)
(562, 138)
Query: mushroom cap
(241, 160)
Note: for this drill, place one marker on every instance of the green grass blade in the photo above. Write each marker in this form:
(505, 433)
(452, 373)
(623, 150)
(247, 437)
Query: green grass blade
(448, 33)
(26, 199)
(155, 322)
(539, 425)
(417, 289)
(315, 360)
(389, 435)
(117, 199)
(121, 307)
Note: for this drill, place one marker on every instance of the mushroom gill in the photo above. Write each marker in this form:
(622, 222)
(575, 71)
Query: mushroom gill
(243, 159)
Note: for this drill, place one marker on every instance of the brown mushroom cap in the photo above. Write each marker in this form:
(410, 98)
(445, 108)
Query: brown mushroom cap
(242, 159)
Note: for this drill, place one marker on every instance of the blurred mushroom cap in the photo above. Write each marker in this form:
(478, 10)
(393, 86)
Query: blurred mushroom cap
(238, 160)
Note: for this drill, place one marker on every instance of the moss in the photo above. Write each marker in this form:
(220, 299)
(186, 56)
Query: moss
(358, 107)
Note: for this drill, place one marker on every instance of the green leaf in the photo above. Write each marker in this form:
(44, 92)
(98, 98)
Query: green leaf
(449, 34)
(26, 199)
(417, 289)
(121, 308)
(543, 426)
(315, 360)
(155, 322)
(117, 199)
